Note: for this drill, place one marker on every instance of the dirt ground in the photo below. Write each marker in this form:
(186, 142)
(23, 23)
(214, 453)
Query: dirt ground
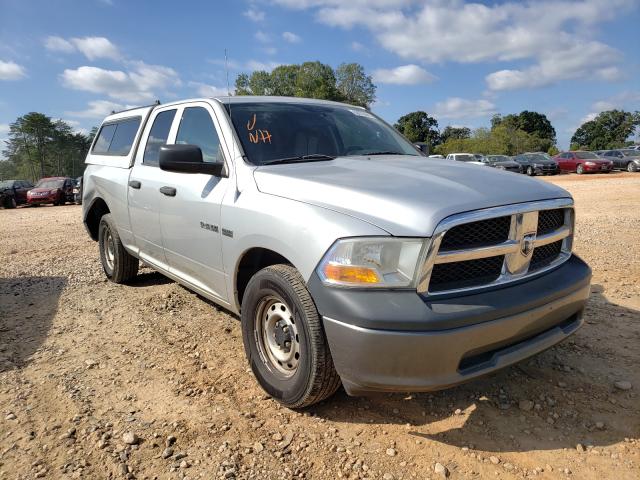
(150, 381)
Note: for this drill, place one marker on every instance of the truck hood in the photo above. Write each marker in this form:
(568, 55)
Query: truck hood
(404, 195)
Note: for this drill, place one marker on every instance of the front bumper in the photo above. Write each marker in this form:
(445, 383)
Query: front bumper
(389, 341)
(598, 168)
(41, 200)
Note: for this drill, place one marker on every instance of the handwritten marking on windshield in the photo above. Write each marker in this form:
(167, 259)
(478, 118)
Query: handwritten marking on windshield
(257, 135)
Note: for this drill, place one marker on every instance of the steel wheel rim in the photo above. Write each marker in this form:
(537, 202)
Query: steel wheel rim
(277, 336)
(109, 249)
(630, 167)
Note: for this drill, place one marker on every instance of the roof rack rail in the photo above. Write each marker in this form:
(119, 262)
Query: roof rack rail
(154, 104)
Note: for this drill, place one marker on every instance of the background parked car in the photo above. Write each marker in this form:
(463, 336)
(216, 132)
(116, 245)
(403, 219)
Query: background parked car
(464, 157)
(537, 164)
(77, 191)
(583, 162)
(623, 159)
(55, 190)
(14, 192)
(503, 162)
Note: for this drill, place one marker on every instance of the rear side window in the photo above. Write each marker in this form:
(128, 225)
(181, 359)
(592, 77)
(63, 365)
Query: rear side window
(158, 136)
(117, 138)
(196, 128)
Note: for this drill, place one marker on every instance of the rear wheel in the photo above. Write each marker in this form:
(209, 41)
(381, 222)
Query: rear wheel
(580, 169)
(11, 203)
(119, 265)
(284, 340)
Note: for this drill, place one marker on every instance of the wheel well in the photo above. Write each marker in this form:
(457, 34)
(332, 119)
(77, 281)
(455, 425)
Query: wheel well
(95, 213)
(251, 263)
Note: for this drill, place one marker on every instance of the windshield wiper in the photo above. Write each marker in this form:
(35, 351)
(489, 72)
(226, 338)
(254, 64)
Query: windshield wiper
(315, 157)
(382, 153)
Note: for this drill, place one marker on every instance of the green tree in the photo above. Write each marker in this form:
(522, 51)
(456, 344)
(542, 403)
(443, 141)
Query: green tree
(419, 127)
(609, 129)
(454, 132)
(355, 86)
(312, 80)
(38, 147)
(532, 123)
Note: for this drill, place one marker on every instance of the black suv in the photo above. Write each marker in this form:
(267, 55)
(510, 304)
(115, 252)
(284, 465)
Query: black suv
(537, 164)
(14, 192)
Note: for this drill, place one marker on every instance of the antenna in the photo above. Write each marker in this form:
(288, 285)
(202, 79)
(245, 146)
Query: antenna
(233, 140)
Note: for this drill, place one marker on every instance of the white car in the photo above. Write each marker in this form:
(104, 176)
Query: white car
(464, 157)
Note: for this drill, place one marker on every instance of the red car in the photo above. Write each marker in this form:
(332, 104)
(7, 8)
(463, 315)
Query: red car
(56, 190)
(582, 162)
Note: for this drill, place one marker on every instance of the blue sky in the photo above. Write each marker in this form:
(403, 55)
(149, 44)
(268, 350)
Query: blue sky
(459, 61)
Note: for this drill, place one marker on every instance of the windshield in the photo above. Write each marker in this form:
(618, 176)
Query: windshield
(272, 131)
(497, 158)
(586, 155)
(631, 153)
(50, 183)
(6, 184)
(466, 158)
(533, 157)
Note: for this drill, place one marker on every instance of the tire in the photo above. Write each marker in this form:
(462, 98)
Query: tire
(119, 265)
(631, 167)
(580, 169)
(531, 172)
(277, 294)
(12, 203)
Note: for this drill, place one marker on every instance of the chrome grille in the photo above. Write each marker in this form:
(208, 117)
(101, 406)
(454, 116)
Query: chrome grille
(497, 245)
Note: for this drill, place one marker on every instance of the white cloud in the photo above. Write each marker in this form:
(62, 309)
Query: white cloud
(206, 90)
(258, 65)
(291, 37)
(11, 71)
(141, 83)
(403, 75)
(254, 14)
(587, 61)
(458, 108)
(357, 46)
(628, 100)
(262, 37)
(91, 47)
(270, 50)
(98, 109)
(552, 34)
(59, 44)
(4, 128)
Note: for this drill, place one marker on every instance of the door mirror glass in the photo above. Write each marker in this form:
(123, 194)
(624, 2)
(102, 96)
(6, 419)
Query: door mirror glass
(186, 159)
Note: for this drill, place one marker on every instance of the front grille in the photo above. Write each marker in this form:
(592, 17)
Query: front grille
(477, 234)
(491, 250)
(470, 273)
(550, 220)
(544, 255)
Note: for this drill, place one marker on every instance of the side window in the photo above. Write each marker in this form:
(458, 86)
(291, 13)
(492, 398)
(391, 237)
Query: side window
(104, 139)
(124, 137)
(117, 138)
(158, 137)
(196, 128)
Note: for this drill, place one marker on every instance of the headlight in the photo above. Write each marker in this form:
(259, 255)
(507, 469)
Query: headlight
(591, 164)
(372, 262)
(53, 192)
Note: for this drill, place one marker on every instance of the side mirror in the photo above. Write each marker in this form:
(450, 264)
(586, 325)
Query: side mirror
(186, 159)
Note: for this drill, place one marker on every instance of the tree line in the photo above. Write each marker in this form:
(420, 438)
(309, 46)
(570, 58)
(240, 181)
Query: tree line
(41, 147)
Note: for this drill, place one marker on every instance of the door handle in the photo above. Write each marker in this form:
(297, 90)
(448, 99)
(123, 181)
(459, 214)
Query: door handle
(135, 184)
(168, 191)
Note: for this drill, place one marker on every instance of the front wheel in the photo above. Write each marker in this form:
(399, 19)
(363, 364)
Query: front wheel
(531, 172)
(630, 167)
(284, 340)
(580, 169)
(119, 265)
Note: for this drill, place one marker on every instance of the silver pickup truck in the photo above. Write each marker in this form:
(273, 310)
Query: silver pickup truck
(350, 257)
